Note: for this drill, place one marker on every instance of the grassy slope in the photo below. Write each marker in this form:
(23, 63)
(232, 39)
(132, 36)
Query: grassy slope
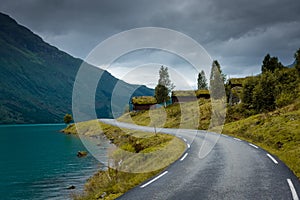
(277, 132)
(177, 115)
(114, 183)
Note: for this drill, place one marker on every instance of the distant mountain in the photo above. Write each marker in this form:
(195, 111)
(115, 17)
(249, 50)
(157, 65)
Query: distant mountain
(292, 65)
(36, 79)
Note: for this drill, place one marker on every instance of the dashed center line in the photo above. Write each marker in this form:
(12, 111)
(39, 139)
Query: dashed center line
(237, 139)
(293, 190)
(184, 157)
(188, 145)
(273, 159)
(154, 179)
(253, 145)
(184, 139)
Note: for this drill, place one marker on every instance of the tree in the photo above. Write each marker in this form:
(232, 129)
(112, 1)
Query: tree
(164, 86)
(217, 79)
(164, 79)
(68, 118)
(247, 92)
(202, 82)
(161, 93)
(264, 93)
(270, 64)
(222, 75)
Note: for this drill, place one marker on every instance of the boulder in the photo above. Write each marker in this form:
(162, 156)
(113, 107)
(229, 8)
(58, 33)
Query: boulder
(81, 154)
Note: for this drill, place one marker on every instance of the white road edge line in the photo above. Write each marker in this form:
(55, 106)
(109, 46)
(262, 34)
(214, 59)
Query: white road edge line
(225, 136)
(184, 139)
(273, 159)
(237, 139)
(256, 147)
(154, 179)
(184, 157)
(188, 145)
(293, 190)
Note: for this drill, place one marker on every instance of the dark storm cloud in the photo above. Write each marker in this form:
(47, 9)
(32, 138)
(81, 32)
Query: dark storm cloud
(238, 33)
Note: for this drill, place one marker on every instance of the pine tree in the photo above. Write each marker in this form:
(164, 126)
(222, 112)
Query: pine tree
(161, 94)
(164, 86)
(217, 78)
(270, 64)
(164, 79)
(202, 82)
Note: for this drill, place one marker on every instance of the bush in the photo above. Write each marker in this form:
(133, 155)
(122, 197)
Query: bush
(284, 99)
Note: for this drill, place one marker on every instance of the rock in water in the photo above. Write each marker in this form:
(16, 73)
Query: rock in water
(81, 154)
(71, 187)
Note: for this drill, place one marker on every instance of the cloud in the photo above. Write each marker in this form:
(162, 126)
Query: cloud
(237, 33)
(142, 67)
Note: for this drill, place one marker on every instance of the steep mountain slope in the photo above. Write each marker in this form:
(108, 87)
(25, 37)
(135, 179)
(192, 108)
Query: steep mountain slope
(36, 79)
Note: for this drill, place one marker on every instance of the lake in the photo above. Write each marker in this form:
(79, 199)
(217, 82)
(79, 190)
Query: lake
(39, 162)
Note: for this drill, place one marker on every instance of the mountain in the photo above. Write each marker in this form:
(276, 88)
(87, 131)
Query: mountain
(292, 65)
(36, 79)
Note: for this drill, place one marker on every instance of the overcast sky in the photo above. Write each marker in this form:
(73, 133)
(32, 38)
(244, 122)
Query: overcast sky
(238, 33)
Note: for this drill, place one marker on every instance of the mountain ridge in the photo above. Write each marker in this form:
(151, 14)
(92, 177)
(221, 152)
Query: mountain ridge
(36, 78)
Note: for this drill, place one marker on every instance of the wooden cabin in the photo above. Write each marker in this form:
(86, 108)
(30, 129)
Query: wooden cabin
(143, 102)
(181, 96)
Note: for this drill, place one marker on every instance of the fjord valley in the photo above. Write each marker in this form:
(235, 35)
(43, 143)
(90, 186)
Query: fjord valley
(166, 145)
(36, 83)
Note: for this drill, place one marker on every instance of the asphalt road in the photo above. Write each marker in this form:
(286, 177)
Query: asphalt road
(234, 169)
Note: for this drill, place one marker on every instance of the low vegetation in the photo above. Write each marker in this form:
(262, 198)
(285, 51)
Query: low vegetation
(277, 132)
(268, 116)
(179, 115)
(160, 150)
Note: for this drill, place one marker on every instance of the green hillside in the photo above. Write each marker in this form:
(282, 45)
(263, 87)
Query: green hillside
(36, 79)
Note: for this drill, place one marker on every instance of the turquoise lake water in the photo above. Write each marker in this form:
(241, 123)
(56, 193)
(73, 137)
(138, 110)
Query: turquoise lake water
(38, 162)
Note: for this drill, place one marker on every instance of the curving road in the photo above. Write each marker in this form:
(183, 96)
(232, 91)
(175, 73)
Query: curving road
(234, 169)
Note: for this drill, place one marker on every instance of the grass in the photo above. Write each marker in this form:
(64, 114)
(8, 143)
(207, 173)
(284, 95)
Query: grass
(144, 100)
(143, 155)
(278, 132)
(184, 115)
(185, 93)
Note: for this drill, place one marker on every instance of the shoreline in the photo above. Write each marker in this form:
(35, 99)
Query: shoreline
(112, 183)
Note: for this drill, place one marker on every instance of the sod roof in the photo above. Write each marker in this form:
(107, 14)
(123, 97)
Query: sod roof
(187, 93)
(142, 100)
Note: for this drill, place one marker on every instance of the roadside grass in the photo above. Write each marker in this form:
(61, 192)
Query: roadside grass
(277, 132)
(142, 155)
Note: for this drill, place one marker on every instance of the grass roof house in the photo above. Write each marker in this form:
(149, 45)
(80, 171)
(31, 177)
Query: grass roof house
(143, 102)
(180, 96)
